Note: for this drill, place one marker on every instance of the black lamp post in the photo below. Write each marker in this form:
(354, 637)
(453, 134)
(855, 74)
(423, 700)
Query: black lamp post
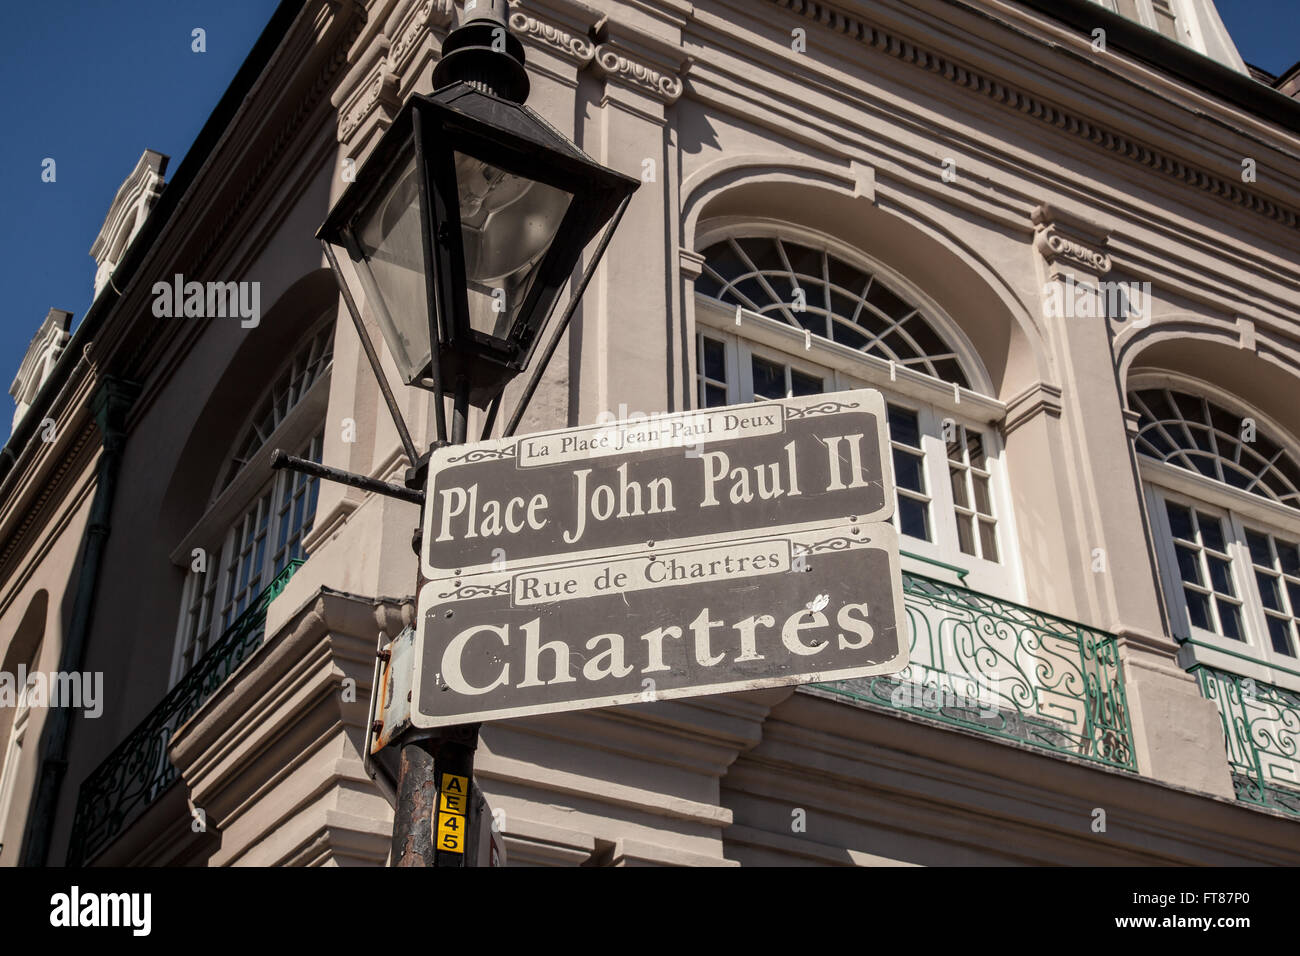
(462, 228)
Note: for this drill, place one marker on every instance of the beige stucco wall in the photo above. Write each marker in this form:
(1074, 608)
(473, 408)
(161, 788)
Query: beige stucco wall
(848, 139)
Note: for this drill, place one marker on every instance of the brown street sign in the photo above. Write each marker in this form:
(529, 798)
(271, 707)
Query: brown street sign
(811, 606)
(728, 472)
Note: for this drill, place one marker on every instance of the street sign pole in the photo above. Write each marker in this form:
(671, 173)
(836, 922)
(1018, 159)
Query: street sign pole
(430, 823)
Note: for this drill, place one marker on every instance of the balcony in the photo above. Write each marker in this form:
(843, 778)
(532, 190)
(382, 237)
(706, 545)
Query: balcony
(139, 771)
(997, 668)
(1261, 730)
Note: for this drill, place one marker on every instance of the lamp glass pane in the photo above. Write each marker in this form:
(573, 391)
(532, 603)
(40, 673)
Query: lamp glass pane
(392, 270)
(508, 222)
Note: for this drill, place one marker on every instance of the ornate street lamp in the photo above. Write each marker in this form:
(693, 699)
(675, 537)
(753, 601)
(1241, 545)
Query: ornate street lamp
(468, 219)
(461, 230)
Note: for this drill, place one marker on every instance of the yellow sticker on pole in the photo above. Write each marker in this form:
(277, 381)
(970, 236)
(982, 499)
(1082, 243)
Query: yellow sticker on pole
(453, 801)
(451, 832)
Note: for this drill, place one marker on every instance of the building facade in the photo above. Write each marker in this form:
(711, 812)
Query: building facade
(1060, 238)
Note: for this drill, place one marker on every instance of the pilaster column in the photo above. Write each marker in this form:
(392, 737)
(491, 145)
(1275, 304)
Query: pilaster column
(1120, 589)
(559, 50)
(629, 331)
(1176, 732)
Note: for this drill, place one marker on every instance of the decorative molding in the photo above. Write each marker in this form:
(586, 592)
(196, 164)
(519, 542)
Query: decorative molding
(427, 16)
(1064, 238)
(1159, 649)
(614, 64)
(46, 346)
(571, 46)
(70, 460)
(1038, 399)
(382, 89)
(864, 181)
(135, 198)
(1033, 106)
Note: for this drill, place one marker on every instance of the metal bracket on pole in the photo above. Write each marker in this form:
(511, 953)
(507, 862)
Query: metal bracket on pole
(301, 465)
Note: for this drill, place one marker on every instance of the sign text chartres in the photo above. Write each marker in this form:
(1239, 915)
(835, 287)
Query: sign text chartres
(700, 553)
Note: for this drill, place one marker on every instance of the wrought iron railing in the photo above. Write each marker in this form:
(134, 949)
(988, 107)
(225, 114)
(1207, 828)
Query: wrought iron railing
(139, 771)
(1261, 730)
(1006, 670)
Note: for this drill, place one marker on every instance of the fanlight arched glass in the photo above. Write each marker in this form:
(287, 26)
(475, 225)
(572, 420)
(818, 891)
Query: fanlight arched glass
(811, 289)
(1196, 434)
(289, 388)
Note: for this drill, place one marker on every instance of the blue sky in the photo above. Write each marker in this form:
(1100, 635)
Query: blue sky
(93, 83)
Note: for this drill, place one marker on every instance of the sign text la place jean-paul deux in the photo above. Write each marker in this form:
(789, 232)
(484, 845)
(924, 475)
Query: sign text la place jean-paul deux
(698, 553)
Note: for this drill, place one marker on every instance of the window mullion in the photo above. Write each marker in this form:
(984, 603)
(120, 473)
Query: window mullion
(936, 473)
(734, 388)
(745, 377)
(192, 581)
(1243, 567)
(273, 527)
(229, 552)
(1167, 558)
(1203, 559)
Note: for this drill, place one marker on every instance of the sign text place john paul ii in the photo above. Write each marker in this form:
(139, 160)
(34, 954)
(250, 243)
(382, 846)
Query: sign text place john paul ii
(702, 553)
(729, 472)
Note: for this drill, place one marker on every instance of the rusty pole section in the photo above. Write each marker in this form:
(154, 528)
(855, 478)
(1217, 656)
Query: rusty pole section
(417, 802)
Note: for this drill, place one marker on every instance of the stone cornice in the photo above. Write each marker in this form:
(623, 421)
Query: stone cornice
(1151, 650)
(1065, 238)
(1034, 107)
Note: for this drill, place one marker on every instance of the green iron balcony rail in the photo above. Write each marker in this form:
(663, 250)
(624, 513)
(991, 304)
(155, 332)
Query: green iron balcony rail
(1006, 670)
(138, 771)
(1261, 731)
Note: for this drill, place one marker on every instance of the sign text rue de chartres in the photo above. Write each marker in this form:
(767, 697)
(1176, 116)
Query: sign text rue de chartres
(698, 553)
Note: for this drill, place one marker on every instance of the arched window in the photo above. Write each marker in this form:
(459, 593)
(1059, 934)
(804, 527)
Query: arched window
(1223, 489)
(782, 312)
(258, 519)
(816, 290)
(1194, 433)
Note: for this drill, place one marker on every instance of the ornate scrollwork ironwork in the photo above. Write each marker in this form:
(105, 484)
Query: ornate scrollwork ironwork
(1261, 732)
(1009, 671)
